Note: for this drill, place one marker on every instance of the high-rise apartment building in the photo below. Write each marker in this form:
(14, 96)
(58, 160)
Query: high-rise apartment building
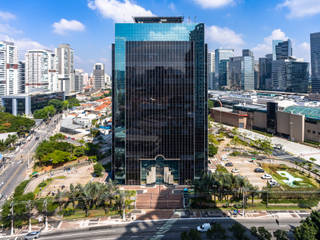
(283, 50)
(212, 84)
(99, 76)
(221, 65)
(8, 69)
(21, 77)
(159, 70)
(40, 71)
(78, 80)
(315, 61)
(65, 68)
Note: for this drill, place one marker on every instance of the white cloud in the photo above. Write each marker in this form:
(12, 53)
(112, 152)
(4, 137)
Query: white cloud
(172, 6)
(302, 50)
(213, 3)
(301, 8)
(67, 25)
(119, 11)
(6, 15)
(266, 47)
(225, 37)
(7, 29)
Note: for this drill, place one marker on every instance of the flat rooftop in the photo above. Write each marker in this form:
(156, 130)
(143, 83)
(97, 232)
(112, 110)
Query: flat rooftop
(308, 112)
(158, 19)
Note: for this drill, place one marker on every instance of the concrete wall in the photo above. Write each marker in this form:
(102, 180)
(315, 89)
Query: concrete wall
(283, 123)
(260, 120)
(312, 131)
(229, 118)
(297, 127)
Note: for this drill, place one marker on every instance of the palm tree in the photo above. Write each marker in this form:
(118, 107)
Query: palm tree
(30, 206)
(72, 196)
(84, 198)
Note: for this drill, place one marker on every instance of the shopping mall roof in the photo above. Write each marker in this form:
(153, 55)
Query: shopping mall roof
(309, 112)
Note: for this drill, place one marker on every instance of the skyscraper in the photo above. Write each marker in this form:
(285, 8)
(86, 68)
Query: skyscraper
(241, 71)
(8, 68)
(99, 76)
(274, 44)
(265, 71)
(212, 84)
(159, 101)
(315, 61)
(221, 65)
(65, 68)
(40, 70)
(283, 50)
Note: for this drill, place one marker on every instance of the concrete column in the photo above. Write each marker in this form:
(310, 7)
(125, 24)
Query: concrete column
(14, 106)
(28, 105)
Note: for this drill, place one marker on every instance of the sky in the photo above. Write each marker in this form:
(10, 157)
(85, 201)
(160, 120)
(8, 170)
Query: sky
(88, 25)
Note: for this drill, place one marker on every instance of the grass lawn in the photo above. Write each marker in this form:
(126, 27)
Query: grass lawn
(92, 213)
(306, 183)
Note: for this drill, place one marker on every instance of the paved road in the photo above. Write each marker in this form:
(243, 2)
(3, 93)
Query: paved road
(170, 229)
(15, 170)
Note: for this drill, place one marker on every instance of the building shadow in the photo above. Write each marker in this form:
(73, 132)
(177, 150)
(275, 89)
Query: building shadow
(168, 219)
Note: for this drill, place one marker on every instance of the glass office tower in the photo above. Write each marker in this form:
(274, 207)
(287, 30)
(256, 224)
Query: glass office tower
(159, 101)
(315, 61)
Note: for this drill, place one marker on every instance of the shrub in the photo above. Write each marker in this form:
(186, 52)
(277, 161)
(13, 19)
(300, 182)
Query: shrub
(98, 169)
(67, 212)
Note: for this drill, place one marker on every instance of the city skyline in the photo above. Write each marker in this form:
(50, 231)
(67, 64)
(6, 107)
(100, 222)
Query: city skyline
(90, 24)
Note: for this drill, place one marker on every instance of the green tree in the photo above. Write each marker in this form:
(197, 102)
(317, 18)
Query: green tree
(98, 169)
(238, 231)
(57, 157)
(261, 233)
(57, 104)
(280, 235)
(212, 150)
(216, 232)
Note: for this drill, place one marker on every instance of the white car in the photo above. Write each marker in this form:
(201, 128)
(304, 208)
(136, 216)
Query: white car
(235, 170)
(204, 227)
(266, 176)
(273, 183)
(224, 158)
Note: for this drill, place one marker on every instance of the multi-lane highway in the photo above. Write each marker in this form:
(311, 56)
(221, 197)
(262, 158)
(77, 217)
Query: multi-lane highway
(169, 229)
(16, 168)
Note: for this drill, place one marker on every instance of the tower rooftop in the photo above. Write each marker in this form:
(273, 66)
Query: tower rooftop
(158, 19)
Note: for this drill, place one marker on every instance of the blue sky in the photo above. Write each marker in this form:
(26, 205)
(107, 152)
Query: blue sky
(89, 25)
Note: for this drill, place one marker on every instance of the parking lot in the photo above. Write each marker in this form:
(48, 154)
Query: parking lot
(246, 169)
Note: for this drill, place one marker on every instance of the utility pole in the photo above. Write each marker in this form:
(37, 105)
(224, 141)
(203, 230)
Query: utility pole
(11, 205)
(45, 207)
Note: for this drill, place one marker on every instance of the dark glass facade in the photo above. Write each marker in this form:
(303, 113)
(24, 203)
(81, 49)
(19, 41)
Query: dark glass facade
(159, 103)
(315, 61)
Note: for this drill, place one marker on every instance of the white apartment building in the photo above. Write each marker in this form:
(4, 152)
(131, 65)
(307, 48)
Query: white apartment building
(99, 76)
(9, 80)
(40, 71)
(211, 70)
(65, 68)
(78, 80)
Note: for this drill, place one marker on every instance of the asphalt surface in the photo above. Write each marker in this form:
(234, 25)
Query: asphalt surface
(15, 169)
(170, 229)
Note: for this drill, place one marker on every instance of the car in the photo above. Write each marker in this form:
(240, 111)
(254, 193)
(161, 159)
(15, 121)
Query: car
(204, 227)
(224, 158)
(229, 164)
(32, 235)
(235, 170)
(273, 183)
(259, 170)
(266, 176)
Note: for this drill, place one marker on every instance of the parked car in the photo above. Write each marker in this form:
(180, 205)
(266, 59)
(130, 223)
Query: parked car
(32, 235)
(229, 164)
(266, 176)
(235, 170)
(259, 170)
(224, 158)
(204, 227)
(273, 183)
